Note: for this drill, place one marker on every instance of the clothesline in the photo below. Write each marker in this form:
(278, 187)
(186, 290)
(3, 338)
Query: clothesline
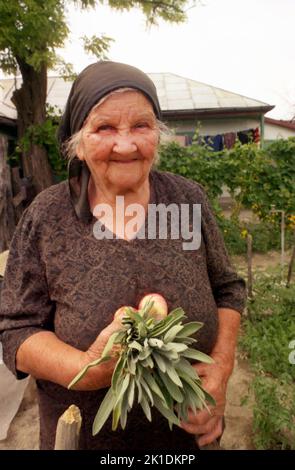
(220, 141)
(228, 140)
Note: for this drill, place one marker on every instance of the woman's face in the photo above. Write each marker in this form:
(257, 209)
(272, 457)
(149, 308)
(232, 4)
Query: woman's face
(119, 141)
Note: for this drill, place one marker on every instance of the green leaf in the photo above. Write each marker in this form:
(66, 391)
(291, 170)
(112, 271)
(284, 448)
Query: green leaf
(202, 395)
(103, 412)
(171, 355)
(118, 371)
(135, 345)
(122, 387)
(108, 347)
(147, 390)
(116, 415)
(139, 389)
(142, 330)
(177, 347)
(173, 374)
(148, 362)
(209, 398)
(182, 411)
(81, 374)
(168, 399)
(172, 388)
(190, 401)
(159, 361)
(185, 366)
(131, 392)
(146, 407)
(131, 364)
(124, 412)
(190, 328)
(120, 337)
(145, 353)
(156, 343)
(197, 356)
(171, 333)
(167, 413)
(152, 384)
(173, 318)
(185, 340)
(134, 316)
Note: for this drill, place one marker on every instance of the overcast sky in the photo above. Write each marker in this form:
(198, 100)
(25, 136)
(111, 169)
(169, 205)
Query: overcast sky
(244, 46)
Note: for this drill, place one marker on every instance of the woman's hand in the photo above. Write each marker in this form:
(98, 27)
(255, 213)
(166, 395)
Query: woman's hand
(100, 376)
(208, 427)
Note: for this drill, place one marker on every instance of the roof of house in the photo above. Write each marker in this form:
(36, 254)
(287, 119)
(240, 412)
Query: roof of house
(281, 123)
(177, 95)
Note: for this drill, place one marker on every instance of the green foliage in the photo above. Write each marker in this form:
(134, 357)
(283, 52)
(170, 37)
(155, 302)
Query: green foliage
(256, 178)
(273, 179)
(196, 162)
(44, 135)
(266, 236)
(274, 413)
(32, 30)
(267, 333)
(98, 46)
(169, 10)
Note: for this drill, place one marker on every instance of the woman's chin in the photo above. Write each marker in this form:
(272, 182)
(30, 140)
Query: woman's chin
(127, 180)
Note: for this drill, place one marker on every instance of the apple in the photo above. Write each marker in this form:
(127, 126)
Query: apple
(159, 310)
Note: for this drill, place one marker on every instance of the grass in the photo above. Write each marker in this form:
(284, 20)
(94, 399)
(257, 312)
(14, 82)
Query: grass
(267, 333)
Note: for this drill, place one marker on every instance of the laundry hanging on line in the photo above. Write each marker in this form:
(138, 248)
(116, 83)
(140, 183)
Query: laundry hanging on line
(220, 141)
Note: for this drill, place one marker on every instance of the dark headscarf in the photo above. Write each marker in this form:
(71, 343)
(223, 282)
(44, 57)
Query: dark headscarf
(96, 81)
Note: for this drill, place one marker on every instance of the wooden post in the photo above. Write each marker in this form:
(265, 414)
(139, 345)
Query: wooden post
(291, 267)
(249, 263)
(68, 429)
(282, 239)
(7, 214)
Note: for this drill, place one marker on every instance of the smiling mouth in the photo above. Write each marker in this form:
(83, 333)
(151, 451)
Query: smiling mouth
(125, 161)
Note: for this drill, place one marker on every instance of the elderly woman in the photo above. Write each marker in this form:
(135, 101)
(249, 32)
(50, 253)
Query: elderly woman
(63, 284)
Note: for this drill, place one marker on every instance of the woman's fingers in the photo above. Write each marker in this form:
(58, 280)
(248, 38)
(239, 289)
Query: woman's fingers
(200, 428)
(208, 437)
(199, 418)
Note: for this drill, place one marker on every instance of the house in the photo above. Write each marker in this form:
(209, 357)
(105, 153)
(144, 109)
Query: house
(187, 105)
(278, 129)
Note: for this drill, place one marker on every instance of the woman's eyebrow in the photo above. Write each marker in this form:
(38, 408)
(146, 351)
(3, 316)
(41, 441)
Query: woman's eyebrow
(145, 114)
(107, 117)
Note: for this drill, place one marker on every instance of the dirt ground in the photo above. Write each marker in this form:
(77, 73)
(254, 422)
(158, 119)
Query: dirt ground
(23, 432)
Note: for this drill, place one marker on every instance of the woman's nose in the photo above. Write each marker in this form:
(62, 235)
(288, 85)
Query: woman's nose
(124, 144)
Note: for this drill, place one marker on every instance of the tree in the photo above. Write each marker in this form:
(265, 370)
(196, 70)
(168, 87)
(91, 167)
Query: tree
(30, 33)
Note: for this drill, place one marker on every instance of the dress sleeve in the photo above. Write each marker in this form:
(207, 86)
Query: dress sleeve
(25, 305)
(228, 288)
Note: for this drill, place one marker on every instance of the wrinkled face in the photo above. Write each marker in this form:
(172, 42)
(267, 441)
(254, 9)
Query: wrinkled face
(119, 141)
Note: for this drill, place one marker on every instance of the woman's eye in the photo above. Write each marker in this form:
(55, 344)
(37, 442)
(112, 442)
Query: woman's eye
(105, 127)
(141, 125)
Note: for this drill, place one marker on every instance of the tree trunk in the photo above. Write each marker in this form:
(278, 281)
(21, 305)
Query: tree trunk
(7, 216)
(30, 102)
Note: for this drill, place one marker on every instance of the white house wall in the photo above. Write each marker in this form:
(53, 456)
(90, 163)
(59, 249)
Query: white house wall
(273, 132)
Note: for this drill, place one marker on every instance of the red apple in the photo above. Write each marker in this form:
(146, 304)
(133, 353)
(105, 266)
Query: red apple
(159, 310)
